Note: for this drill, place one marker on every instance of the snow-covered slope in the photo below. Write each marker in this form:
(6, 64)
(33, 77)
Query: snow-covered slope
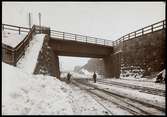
(12, 38)
(23, 93)
(28, 62)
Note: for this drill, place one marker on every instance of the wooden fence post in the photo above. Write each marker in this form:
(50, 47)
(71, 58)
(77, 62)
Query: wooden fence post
(75, 37)
(142, 31)
(123, 38)
(2, 27)
(63, 35)
(135, 33)
(14, 58)
(113, 43)
(19, 30)
(86, 39)
(49, 32)
(151, 28)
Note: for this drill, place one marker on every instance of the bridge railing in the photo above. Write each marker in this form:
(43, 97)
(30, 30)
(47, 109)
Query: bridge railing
(41, 29)
(12, 54)
(148, 29)
(79, 38)
(15, 28)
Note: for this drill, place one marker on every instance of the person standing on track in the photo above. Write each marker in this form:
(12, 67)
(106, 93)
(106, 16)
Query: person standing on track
(94, 77)
(68, 77)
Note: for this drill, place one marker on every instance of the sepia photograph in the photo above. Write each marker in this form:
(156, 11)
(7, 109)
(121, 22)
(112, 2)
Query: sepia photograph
(83, 58)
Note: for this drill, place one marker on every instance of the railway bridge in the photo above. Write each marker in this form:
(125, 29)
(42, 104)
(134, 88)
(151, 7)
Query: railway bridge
(69, 44)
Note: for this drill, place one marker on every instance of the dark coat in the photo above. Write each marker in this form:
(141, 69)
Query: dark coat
(94, 77)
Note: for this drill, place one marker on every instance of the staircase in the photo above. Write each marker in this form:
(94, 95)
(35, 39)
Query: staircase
(11, 55)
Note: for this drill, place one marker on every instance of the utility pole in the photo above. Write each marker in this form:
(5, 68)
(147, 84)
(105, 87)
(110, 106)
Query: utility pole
(29, 20)
(40, 21)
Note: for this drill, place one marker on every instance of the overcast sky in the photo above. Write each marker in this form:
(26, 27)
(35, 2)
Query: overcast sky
(108, 20)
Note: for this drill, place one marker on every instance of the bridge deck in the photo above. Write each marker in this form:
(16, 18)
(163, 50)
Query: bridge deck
(79, 49)
(95, 47)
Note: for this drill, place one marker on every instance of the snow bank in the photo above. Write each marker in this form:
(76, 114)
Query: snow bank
(137, 83)
(23, 93)
(163, 72)
(12, 39)
(131, 72)
(77, 75)
(84, 74)
(135, 94)
(139, 77)
(27, 94)
(28, 62)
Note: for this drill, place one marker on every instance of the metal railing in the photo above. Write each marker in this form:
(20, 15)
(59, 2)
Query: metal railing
(15, 28)
(12, 54)
(148, 29)
(42, 30)
(80, 38)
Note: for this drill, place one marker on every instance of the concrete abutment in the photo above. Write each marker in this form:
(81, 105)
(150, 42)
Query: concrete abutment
(112, 65)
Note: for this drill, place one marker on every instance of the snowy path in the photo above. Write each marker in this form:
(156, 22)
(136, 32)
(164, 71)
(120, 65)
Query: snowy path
(138, 83)
(140, 88)
(84, 104)
(28, 62)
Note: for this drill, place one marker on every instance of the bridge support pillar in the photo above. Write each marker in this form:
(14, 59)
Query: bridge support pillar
(108, 67)
(117, 64)
(57, 68)
(112, 66)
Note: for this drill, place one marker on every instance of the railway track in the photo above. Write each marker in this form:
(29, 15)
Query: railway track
(148, 90)
(135, 107)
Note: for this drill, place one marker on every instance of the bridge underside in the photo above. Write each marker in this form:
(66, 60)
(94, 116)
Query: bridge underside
(81, 49)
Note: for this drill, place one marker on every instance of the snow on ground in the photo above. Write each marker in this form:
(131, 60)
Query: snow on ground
(28, 62)
(84, 74)
(134, 94)
(27, 94)
(138, 75)
(77, 75)
(84, 104)
(12, 38)
(89, 74)
(24, 93)
(163, 72)
(139, 78)
(135, 82)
